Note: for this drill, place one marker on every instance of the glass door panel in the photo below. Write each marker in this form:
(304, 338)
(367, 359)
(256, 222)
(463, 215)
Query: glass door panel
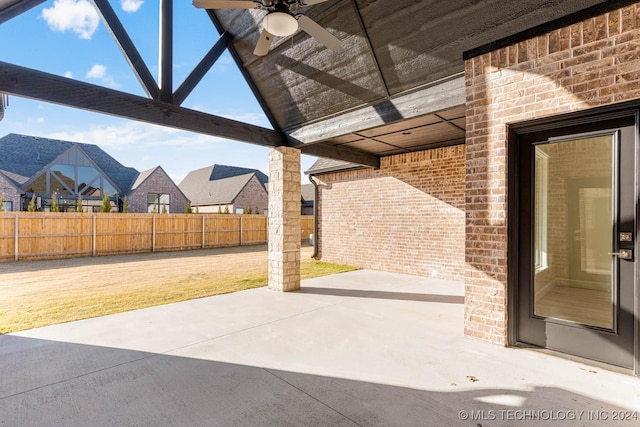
(574, 219)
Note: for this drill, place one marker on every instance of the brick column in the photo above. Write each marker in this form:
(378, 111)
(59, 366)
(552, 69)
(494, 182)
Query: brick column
(284, 219)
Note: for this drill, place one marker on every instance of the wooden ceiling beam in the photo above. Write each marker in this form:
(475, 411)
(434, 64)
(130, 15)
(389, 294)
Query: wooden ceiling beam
(35, 84)
(339, 153)
(127, 47)
(245, 73)
(202, 68)
(443, 95)
(165, 61)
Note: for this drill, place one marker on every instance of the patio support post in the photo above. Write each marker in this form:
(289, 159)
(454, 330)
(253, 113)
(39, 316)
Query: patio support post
(284, 219)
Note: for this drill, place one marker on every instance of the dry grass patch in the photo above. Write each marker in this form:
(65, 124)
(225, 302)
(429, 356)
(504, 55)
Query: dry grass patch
(44, 293)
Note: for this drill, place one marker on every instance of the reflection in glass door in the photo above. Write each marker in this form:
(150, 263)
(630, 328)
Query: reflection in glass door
(574, 280)
(573, 226)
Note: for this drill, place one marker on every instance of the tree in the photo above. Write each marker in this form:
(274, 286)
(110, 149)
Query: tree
(79, 204)
(197, 211)
(164, 209)
(1, 202)
(219, 209)
(106, 203)
(188, 208)
(125, 205)
(248, 211)
(226, 209)
(31, 207)
(54, 203)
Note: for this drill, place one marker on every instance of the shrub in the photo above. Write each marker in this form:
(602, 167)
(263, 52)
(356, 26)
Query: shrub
(79, 204)
(31, 207)
(106, 203)
(54, 203)
(1, 202)
(188, 209)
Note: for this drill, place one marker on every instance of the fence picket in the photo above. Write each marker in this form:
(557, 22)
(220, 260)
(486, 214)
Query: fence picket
(45, 235)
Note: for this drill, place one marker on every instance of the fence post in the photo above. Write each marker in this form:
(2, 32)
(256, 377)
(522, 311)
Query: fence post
(202, 231)
(241, 228)
(94, 236)
(153, 233)
(16, 247)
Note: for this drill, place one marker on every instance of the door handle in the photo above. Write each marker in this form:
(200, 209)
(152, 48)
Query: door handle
(623, 254)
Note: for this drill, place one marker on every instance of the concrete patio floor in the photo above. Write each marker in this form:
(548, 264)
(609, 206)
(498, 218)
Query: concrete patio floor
(363, 348)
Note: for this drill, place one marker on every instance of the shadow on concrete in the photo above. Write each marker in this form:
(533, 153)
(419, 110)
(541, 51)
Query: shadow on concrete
(403, 296)
(46, 383)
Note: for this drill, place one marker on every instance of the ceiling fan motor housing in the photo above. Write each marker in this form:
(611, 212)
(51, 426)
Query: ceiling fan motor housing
(280, 24)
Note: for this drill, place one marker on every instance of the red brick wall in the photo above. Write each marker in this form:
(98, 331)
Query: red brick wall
(407, 217)
(9, 192)
(594, 62)
(253, 196)
(157, 182)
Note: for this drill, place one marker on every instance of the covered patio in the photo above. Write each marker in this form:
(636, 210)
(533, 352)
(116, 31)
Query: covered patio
(363, 348)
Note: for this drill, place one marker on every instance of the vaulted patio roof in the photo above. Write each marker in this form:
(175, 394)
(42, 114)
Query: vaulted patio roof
(395, 85)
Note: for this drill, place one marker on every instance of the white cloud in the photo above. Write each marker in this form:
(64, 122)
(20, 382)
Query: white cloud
(143, 146)
(68, 75)
(35, 120)
(222, 64)
(99, 72)
(78, 16)
(135, 134)
(131, 5)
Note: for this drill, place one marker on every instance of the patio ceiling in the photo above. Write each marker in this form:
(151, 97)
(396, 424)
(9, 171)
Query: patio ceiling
(395, 85)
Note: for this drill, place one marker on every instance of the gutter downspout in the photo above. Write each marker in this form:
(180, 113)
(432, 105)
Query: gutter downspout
(315, 217)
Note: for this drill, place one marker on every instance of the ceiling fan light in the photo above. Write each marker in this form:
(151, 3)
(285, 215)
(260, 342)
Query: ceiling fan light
(280, 24)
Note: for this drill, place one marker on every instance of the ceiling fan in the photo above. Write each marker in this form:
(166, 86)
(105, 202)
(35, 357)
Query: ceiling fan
(281, 20)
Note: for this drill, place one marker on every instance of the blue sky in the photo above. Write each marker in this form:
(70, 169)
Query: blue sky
(66, 37)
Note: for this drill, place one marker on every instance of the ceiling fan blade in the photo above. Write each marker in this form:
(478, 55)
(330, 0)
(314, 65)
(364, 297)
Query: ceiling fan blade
(264, 43)
(226, 4)
(312, 2)
(316, 31)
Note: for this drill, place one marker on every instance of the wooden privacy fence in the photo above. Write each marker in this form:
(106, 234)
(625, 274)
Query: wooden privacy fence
(41, 235)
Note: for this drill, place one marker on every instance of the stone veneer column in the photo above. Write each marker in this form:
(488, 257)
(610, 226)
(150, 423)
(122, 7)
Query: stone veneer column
(284, 219)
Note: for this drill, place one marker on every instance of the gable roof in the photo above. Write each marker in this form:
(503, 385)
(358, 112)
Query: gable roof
(142, 177)
(323, 165)
(218, 184)
(23, 156)
(223, 171)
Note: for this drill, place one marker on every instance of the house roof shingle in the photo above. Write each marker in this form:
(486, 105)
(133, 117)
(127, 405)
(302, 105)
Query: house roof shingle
(323, 165)
(22, 156)
(218, 184)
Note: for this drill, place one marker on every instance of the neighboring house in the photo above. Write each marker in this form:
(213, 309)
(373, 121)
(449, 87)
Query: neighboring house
(308, 199)
(154, 191)
(220, 188)
(41, 167)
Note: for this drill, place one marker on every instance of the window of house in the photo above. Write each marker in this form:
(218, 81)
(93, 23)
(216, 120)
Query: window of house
(72, 180)
(158, 203)
(541, 209)
(8, 206)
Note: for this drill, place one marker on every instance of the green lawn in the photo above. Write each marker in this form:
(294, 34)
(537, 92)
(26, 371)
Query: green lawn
(52, 305)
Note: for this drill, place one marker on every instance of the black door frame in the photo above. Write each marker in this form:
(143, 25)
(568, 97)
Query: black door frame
(587, 120)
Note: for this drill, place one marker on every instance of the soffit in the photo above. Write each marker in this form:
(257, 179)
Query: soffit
(390, 51)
